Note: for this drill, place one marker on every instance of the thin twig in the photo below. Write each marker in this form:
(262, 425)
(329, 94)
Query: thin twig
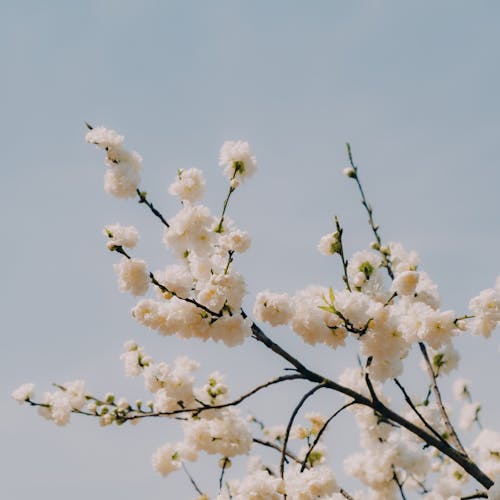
(142, 199)
(320, 433)
(437, 394)
(225, 463)
(304, 398)
(386, 261)
(340, 231)
(193, 482)
(276, 447)
(398, 482)
(414, 408)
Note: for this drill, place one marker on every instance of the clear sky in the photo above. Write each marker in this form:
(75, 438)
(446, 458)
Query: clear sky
(412, 85)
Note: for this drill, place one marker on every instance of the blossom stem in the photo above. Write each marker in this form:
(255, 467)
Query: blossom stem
(220, 226)
(414, 408)
(437, 394)
(142, 199)
(320, 433)
(386, 261)
(288, 453)
(340, 230)
(191, 479)
(306, 396)
(398, 482)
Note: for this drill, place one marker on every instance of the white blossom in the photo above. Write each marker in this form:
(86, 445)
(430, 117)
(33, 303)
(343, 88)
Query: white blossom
(486, 309)
(132, 276)
(237, 160)
(189, 185)
(121, 236)
(273, 308)
(236, 240)
(23, 392)
(328, 244)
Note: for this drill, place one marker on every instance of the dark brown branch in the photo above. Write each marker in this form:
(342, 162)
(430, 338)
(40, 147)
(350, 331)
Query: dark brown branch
(469, 466)
(479, 494)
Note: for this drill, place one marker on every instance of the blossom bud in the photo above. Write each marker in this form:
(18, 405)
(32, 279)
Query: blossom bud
(225, 463)
(349, 172)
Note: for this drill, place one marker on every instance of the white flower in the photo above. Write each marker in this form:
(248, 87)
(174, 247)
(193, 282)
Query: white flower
(221, 432)
(189, 185)
(190, 229)
(314, 324)
(273, 308)
(237, 241)
(23, 392)
(405, 283)
(232, 330)
(122, 176)
(328, 244)
(259, 485)
(75, 392)
(167, 459)
(214, 391)
(316, 482)
(177, 279)
(487, 447)
(132, 276)
(223, 289)
(401, 260)
(123, 236)
(238, 162)
(486, 309)
(104, 138)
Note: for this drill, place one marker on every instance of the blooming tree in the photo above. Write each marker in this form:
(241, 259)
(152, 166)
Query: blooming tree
(387, 305)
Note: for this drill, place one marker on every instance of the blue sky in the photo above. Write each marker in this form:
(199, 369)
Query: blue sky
(413, 87)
